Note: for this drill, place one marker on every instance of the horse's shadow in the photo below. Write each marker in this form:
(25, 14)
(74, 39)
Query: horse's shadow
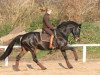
(17, 69)
(60, 64)
(30, 66)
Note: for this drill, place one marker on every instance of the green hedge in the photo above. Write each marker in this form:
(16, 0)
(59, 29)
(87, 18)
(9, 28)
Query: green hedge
(5, 29)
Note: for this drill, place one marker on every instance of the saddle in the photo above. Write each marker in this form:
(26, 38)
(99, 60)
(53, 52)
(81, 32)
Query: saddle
(45, 37)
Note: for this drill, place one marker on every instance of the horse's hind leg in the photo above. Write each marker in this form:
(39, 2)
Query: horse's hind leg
(19, 56)
(66, 59)
(33, 52)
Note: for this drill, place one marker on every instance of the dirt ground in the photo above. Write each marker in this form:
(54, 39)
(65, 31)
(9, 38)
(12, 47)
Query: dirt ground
(53, 68)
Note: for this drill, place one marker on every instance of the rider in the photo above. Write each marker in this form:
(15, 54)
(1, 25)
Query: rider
(47, 26)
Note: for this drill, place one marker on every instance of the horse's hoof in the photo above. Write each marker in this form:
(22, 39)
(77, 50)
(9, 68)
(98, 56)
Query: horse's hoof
(70, 67)
(44, 68)
(76, 59)
(15, 68)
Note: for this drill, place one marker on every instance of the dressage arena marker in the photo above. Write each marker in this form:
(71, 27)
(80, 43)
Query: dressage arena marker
(73, 45)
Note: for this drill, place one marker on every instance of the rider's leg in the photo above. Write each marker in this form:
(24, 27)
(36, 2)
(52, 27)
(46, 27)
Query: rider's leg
(48, 31)
(51, 41)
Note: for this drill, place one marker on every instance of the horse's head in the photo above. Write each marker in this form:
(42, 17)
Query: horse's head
(76, 32)
(70, 27)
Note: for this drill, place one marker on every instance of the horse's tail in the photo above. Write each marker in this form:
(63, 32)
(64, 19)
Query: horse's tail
(10, 47)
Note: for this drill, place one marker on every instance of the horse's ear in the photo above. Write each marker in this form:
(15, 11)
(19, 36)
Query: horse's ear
(80, 24)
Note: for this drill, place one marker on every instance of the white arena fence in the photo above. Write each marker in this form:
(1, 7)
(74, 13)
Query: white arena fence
(84, 48)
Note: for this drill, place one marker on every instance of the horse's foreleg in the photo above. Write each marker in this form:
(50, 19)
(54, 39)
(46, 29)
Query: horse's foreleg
(66, 59)
(74, 52)
(19, 56)
(75, 55)
(36, 60)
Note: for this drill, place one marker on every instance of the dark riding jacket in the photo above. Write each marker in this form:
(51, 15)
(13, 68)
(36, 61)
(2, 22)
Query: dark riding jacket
(46, 23)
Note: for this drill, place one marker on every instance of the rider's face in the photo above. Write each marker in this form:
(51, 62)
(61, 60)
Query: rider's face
(49, 11)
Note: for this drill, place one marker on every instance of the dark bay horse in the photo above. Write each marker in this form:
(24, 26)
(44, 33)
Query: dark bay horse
(32, 41)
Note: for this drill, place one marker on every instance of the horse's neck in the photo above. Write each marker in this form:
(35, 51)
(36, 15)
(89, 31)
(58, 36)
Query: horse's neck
(62, 33)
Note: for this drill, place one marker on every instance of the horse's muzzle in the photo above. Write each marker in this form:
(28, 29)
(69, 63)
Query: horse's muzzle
(77, 39)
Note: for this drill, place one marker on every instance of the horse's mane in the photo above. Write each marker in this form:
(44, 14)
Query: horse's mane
(63, 24)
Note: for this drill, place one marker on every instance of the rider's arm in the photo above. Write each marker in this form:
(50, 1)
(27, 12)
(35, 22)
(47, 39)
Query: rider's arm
(46, 19)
